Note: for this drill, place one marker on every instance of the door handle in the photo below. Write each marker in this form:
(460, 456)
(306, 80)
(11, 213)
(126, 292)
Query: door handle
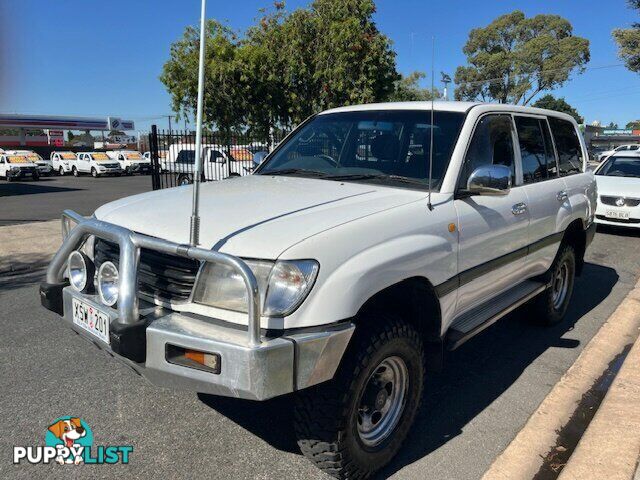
(519, 208)
(562, 195)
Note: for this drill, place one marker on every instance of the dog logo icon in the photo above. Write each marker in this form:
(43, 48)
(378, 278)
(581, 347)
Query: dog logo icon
(70, 435)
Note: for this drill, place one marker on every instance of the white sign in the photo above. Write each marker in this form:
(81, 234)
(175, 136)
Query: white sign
(115, 123)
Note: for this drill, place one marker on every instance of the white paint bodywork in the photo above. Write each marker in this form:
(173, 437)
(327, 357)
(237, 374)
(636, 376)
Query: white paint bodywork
(85, 161)
(620, 187)
(123, 157)
(369, 237)
(63, 160)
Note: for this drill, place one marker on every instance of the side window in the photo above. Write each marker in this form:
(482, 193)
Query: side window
(536, 151)
(492, 143)
(567, 145)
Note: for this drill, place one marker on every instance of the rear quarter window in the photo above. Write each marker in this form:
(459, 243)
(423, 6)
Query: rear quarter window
(568, 146)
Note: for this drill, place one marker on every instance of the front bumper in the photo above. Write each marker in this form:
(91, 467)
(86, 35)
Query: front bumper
(632, 222)
(252, 366)
(22, 173)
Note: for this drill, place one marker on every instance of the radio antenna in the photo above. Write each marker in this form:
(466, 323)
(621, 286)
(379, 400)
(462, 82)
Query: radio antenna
(433, 55)
(194, 229)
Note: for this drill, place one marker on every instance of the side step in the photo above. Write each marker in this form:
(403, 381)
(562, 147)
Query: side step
(476, 320)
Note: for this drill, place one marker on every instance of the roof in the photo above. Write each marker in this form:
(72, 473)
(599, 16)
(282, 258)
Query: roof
(439, 105)
(452, 106)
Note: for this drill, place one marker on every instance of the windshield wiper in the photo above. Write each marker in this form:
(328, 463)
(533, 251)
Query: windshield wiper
(296, 171)
(377, 176)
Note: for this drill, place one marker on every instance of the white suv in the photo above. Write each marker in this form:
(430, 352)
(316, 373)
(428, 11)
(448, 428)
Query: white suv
(368, 242)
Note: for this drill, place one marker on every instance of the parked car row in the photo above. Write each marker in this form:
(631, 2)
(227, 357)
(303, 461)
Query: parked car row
(17, 164)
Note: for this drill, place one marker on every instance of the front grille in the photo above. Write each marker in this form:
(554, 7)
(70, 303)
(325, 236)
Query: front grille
(160, 276)
(628, 202)
(618, 220)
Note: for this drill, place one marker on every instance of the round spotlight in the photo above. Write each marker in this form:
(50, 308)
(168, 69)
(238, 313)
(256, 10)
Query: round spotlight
(81, 270)
(108, 283)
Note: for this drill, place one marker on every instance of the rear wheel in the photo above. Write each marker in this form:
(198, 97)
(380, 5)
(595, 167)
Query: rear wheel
(184, 179)
(551, 305)
(353, 425)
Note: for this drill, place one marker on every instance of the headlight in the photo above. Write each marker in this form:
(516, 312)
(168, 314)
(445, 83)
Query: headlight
(283, 285)
(108, 283)
(15, 169)
(81, 270)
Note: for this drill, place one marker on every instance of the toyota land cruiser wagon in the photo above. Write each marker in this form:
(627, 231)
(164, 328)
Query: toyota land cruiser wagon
(372, 239)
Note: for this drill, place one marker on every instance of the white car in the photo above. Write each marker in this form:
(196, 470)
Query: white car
(45, 167)
(621, 149)
(16, 167)
(63, 162)
(131, 161)
(95, 163)
(324, 269)
(218, 163)
(618, 179)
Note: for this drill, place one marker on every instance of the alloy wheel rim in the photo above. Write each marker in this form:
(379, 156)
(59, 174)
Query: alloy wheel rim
(560, 285)
(382, 401)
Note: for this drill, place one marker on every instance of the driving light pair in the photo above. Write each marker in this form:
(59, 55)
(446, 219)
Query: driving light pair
(283, 285)
(81, 277)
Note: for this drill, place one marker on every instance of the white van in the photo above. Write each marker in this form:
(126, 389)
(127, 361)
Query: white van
(44, 166)
(218, 163)
(95, 163)
(62, 162)
(15, 167)
(131, 161)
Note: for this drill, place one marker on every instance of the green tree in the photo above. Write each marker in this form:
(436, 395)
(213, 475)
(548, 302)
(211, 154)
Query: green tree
(408, 89)
(515, 58)
(559, 105)
(286, 67)
(224, 104)
(633, 125)
(628, 40)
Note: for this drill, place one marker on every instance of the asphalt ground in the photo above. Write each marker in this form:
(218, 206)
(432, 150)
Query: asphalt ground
(29, 201)
(472, 410)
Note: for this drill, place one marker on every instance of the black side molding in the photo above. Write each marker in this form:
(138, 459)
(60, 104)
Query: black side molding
(51, 296)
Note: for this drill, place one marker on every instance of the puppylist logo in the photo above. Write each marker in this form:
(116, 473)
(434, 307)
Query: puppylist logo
(69, 441)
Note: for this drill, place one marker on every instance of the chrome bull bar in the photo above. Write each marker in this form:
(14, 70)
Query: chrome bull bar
(130, 244)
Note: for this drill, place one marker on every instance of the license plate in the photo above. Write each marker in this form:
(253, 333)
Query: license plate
(91, 319)
(622, 215)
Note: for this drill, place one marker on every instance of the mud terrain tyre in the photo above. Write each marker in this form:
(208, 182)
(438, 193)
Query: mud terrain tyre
(353, 425)
(551, 305)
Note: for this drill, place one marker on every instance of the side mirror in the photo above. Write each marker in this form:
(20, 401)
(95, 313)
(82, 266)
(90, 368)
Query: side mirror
(259, 157)
(490, 180)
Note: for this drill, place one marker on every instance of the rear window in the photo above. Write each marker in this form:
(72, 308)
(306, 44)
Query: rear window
(538, 159)
(567, 145)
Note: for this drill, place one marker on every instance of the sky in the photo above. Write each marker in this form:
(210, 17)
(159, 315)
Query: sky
(100, 58)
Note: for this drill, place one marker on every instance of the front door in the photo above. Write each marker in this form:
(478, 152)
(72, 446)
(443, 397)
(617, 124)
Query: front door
(492, 229)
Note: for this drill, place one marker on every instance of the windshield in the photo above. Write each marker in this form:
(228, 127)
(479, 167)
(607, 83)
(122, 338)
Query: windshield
(621, 167)
(390, 147)
(100, 157)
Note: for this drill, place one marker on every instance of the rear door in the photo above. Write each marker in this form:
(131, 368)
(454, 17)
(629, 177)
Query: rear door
(492, 229)
(547, 198)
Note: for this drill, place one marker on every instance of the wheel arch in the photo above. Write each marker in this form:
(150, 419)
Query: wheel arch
(576, 236)
(415, 300)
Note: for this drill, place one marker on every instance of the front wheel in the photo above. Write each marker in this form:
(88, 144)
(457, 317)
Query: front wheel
(61, 172)
(353, 425)
(75, 172)
(551, 305)
(94, 172)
